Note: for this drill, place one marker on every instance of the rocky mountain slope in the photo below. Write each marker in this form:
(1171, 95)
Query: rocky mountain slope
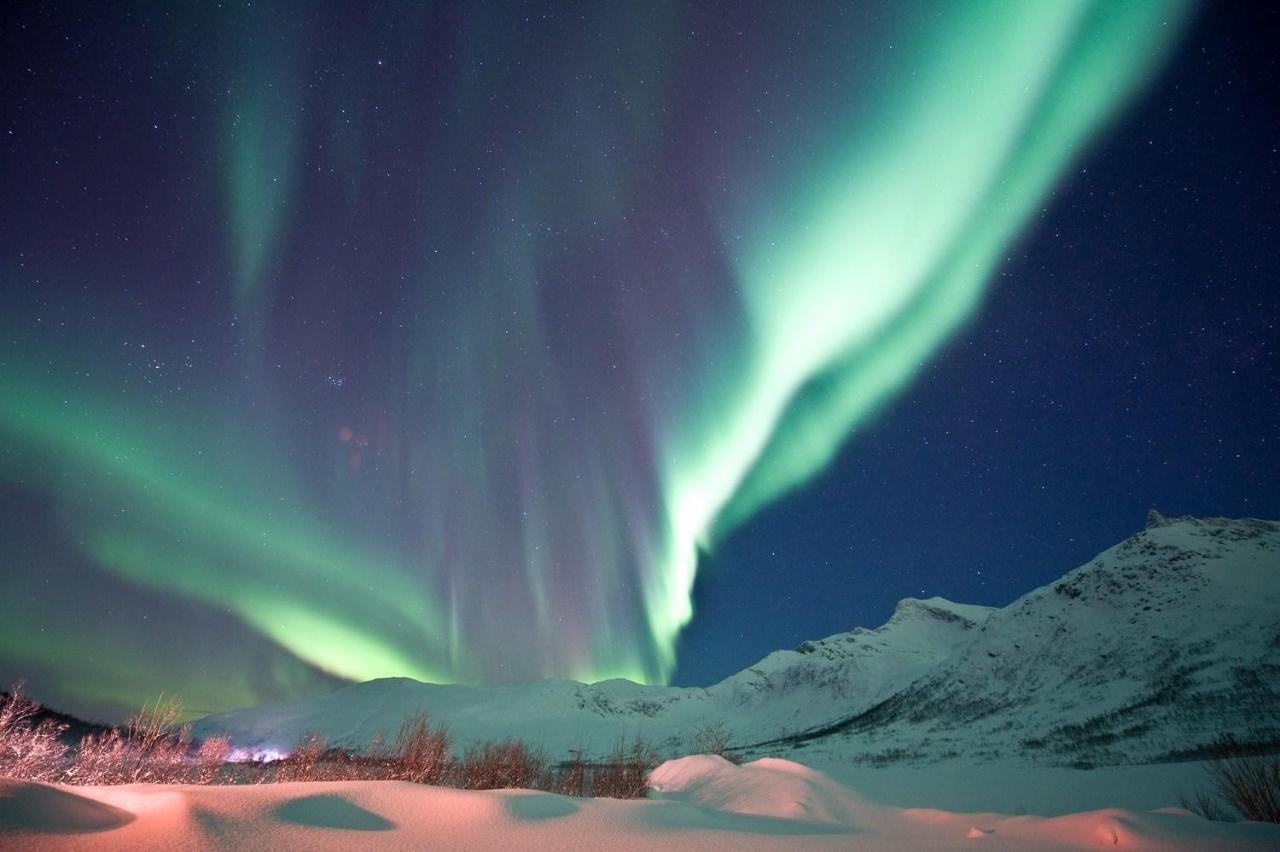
(1152, 651)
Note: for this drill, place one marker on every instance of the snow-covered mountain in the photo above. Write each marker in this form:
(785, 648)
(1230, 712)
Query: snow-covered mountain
(1151, 651)
(787, 692)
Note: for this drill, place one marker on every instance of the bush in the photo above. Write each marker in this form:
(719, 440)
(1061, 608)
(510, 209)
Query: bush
(572, 775)
(497, 765)
(305, 763)
(30, 750)
(151, 749)
(100, 759)
(712, 738)
(211, 758)
(626, 773)
(1248, 782)
(158, 747)
(421, 752)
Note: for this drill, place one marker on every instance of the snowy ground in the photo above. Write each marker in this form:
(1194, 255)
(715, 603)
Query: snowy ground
(1012, 788)
(698, 802)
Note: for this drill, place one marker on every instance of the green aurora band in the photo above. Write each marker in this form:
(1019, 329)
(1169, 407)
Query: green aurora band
(896, 236)
(523, 486)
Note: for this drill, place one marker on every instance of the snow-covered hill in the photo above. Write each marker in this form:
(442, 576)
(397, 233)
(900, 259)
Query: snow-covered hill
(1151, 651)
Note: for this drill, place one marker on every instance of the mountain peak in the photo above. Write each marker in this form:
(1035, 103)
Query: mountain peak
(940, 609)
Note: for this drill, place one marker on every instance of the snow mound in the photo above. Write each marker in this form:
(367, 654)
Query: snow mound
(42, 809)
(703, 803)
(770, 787)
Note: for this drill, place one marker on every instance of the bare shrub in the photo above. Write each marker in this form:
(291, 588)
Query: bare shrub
(1249, 782)
(712, 738)
(100, 759)
(168, 759)
(420, 753)
(499, 765)
(378, 758)
(156, 748)
(304, 763)
(625, 774)
(150, 749)
(1205, 805)
(572, 775)
(153, 724)
(340, 764)
(29, 750)
(211, 759)
(315, 760)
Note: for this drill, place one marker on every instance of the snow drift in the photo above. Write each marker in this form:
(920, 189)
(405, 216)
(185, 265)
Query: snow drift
(698, 802)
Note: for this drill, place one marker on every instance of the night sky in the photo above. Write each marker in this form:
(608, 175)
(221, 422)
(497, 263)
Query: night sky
(484, 343)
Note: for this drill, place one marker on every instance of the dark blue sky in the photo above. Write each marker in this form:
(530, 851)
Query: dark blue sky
(1126, 358)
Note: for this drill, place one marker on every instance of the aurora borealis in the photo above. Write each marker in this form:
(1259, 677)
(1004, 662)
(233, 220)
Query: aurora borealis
(443, 340)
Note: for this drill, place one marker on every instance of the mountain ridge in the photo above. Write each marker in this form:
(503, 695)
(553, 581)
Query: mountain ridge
(1152, 650)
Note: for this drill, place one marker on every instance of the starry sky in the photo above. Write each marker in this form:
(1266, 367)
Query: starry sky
(487, 342)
